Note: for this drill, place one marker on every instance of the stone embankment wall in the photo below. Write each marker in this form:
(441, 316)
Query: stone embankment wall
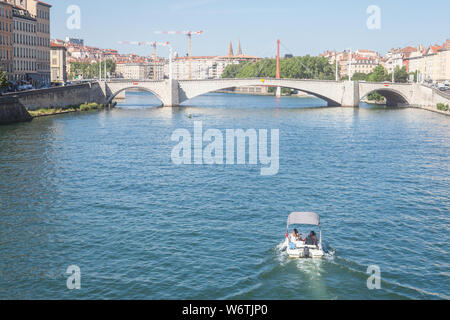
(61, 97)
(14, 106)
(12, 111)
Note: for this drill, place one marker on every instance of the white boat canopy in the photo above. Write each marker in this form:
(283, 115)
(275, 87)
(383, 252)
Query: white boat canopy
(310, 218)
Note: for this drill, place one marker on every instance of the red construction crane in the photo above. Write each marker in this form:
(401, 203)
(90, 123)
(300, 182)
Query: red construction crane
(147, 43)
(278, 59)
(189, 36)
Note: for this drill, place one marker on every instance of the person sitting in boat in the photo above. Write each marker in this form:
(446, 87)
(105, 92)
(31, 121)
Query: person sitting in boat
(295, 235)
(312, 239)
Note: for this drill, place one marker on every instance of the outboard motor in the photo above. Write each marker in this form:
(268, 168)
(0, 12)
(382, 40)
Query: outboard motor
(305, 252)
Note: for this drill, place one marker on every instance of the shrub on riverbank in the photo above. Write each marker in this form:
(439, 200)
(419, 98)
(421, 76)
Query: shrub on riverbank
(442, 107)
(90, 106)
(375, 96)
(51, 111)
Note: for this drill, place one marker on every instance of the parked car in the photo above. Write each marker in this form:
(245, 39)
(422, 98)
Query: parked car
(25, 87)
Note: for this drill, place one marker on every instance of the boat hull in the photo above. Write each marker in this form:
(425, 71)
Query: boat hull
(304, 251)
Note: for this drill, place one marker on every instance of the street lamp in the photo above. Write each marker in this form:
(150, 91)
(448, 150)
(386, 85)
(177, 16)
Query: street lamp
(349, 64)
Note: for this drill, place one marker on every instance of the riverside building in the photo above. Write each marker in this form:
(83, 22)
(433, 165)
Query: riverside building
(29, 44)
(58, 62)
(24, 46)
(6, 39)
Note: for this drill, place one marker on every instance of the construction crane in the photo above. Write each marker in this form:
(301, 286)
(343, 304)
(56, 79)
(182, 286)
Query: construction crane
(154, 45)
(189, 36)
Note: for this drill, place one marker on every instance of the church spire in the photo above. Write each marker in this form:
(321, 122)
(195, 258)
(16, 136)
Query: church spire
(239, 51)
(230, 50)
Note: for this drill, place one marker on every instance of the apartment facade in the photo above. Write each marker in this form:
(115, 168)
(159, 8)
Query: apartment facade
(58, 70)
(208, 67)
(360, 61)
(159, 69)
(202, 67)
(6, 39)
(205, 67)
(24, 47)
(432, 64)
(43, 35)
(352, 63)
(41, 11)
(25, 40)
(444, 63)
(136, 71)
(398, 58)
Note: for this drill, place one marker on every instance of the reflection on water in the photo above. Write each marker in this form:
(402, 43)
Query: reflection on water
(99, 190)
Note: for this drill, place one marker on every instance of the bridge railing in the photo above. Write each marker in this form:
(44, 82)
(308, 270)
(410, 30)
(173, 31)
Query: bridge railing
(385, 83)
(444, 94)
(258, 79)
(122, 80)
(244, 79)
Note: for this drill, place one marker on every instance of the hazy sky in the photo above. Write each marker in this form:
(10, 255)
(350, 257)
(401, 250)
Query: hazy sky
(304, 27)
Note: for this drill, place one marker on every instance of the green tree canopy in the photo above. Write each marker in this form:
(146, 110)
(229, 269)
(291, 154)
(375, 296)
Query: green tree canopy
(90, 70)
(358, 76)
(306, 67)
(401, 75)
(4, 83)
(379, 74)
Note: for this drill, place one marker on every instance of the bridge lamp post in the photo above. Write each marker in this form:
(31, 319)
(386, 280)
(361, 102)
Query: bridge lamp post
(350, 64)
(170, 62)
(393, 74)
(278, 75)
(336, 62)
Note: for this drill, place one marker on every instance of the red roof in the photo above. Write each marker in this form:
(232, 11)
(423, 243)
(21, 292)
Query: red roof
(56, 45)
(447, 44)
(44, 4)
(435, 48)
(197, 57)
(409, 49)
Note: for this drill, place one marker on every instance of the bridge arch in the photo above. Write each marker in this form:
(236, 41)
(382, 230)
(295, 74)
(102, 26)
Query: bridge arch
(139, 88)
(394, 98)
(329, 101)
(319, 89)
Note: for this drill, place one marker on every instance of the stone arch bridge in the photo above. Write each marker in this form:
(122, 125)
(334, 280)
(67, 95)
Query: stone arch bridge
(336, 93)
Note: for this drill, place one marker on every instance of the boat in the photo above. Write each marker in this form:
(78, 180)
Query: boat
(297, 247)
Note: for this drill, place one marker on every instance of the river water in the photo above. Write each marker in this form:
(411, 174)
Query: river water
(99, 190)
